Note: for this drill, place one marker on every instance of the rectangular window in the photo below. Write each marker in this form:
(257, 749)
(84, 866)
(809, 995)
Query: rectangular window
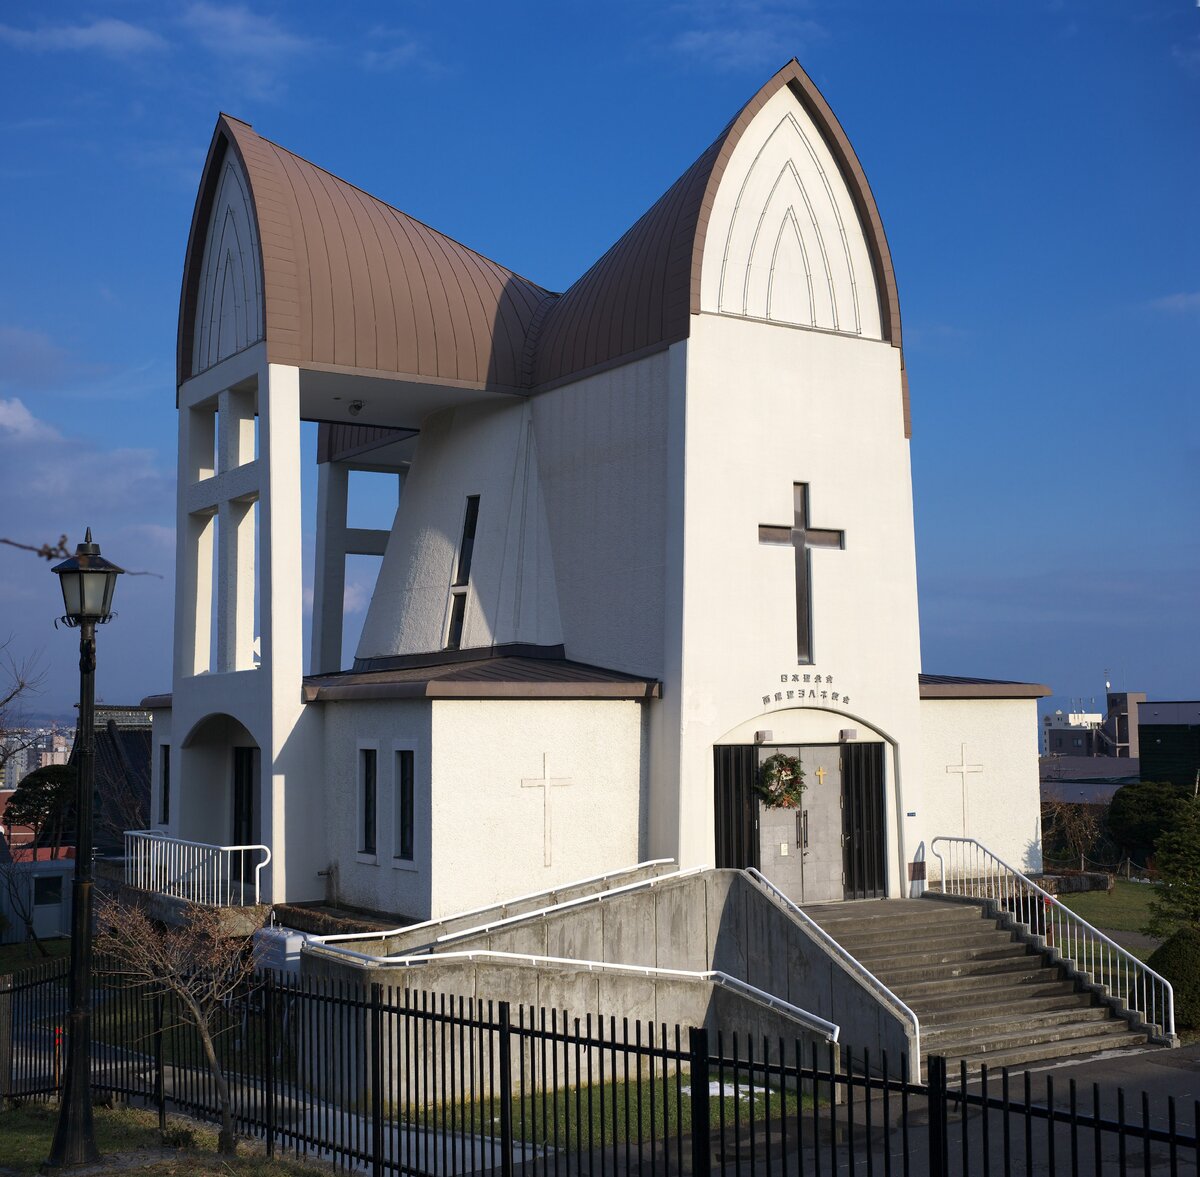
(404, 804)
(466, 549)
(47, 890)
(366, 785)
(164, 805)
(462, 575)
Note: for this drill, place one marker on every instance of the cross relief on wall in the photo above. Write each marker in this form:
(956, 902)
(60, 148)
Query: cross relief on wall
(803, 537)
(546, 782)
(963, 769)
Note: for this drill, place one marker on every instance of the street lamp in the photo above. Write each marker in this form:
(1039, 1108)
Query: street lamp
(87, 581)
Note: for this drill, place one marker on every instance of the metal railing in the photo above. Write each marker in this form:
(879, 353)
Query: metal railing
(974, 872)
(197, 872)
(828, 1030)
(545, 893)
(855, 966)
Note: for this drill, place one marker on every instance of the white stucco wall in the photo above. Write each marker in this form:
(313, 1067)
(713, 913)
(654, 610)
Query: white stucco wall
(380, 882)
(488, 832)
(769, 406)
(1003, 802)
(489, 451)
(602, 453)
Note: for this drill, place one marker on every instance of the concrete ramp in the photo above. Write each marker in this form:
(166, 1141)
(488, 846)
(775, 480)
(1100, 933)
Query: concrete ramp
(703, 947)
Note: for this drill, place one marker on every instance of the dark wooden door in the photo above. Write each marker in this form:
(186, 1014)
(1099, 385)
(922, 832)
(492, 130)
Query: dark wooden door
(864, 822)
(735, 770)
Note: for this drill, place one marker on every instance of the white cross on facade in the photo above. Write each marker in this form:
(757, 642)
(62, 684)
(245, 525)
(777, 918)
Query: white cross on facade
(545, 782)
(963, 768)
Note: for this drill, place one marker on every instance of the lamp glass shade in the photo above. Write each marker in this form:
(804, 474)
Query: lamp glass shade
(88, 581)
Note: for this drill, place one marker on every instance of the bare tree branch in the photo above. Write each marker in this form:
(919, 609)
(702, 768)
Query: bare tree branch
(59, 551)
(196, 962)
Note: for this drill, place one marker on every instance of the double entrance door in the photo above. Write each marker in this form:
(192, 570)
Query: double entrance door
(832, 846)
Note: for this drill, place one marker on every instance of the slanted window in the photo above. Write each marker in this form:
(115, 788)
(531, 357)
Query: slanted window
(404, 805)
(462, 575)
(366, 800)
(164, 804)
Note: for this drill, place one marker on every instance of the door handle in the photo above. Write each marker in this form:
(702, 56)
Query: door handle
(802, 829)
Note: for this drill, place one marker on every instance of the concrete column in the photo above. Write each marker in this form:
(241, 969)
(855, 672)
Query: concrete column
(329, 580)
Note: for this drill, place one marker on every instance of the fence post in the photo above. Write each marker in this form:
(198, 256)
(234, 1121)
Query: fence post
(269, 1077)
(698, 1084)
(6, 1035)
(939, 1141)
(506, 1117)
(160, 1094)
(376, 1079)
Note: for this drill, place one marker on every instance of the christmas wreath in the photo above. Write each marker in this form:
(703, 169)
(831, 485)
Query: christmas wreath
(781, 781)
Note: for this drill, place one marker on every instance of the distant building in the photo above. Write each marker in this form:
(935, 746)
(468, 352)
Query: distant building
(122, 758)
(1072, 734)
(1169, 736)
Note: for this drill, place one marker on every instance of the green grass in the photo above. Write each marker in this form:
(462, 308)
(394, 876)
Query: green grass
(27, 1130)
(1126, 908)
(620, 1112)
(15, 957)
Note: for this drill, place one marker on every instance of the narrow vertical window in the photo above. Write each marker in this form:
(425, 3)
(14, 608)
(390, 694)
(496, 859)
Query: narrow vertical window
(404, 804)
(164, 805)
(366, 772)
(462, 575)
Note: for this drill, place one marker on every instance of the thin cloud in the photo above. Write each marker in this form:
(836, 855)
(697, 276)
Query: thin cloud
(114, 38)
(31, 359)
(743, 36)
(1186, 303)
(235, 31)
(395, 49)
(60, 476)
(18, 424)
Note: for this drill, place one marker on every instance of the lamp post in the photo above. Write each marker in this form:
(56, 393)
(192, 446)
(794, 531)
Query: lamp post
(87, 581)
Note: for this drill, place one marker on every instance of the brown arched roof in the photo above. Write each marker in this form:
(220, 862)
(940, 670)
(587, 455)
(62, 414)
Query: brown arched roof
(645, 289)
(351, 282)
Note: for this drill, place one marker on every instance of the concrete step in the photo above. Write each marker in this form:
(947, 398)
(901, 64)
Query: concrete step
(944, 992)
(948, 954)
(893, 914)
(897, 977)
(1052, 1026)
(935, 1017)
(1021, 1056)
(882, 941)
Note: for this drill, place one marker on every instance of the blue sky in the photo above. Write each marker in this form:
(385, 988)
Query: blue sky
(1036, 167)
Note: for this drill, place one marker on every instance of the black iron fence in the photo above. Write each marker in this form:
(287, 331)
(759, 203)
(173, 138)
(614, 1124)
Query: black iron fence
(401, 1082)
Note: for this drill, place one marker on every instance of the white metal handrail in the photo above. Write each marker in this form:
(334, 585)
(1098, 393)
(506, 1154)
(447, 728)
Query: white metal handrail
(405, 929)
(974, 872)
(860, 971)
(831, 1031)
(197, 872)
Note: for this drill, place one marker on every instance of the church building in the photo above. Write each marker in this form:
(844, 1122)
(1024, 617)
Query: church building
(653, 532)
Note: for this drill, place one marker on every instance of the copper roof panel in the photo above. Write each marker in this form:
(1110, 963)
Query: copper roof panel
(352, 282)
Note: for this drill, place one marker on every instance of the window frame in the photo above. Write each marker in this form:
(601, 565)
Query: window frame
(366, 753)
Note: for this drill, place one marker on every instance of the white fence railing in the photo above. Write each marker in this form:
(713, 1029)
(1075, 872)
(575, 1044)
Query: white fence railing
(217, 876)
(855, 966)
(971, 870)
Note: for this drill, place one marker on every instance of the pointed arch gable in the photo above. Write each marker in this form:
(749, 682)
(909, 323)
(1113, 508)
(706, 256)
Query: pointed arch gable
(850, 174)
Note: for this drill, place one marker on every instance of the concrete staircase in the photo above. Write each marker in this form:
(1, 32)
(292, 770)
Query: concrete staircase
(980, 994)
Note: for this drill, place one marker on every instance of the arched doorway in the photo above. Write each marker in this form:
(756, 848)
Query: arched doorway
(834, 844)
(220, 802)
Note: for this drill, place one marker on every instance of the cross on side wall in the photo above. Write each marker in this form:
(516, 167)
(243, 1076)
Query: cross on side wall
(545, 782)
(962, 768)
(801, 536)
